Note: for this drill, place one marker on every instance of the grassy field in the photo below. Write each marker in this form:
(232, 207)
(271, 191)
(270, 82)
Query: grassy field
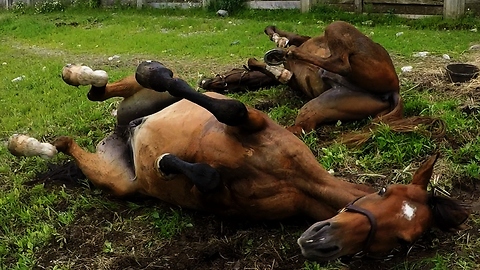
(67, 224)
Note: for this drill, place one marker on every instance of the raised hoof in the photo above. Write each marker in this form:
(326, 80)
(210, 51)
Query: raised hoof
(204, 177)
(270, 30)
(76, 75)
(23, 145)
(216, 84)
(153, 75)
(167, 175)
(254, 64)
(275, 57)
(296, 130)
(68, 75)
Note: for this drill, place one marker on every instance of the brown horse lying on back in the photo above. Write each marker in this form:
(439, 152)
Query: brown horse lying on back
(211, 153)
(346, 75)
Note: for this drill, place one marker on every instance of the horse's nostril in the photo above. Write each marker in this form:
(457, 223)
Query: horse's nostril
(317, 233)
(317, 227)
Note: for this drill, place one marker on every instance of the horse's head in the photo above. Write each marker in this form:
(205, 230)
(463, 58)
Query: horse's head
(381, 221)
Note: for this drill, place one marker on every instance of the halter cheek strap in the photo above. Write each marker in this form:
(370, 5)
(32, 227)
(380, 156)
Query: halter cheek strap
(373, 222)
(224, 77)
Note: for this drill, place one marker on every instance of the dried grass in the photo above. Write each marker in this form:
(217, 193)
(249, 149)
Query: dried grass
(430, 73)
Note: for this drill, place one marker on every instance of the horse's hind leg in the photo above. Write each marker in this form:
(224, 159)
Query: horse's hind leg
(205, 178)
(279, 73)
(110, 168)
(237, 80)
(339, 103)
(154, 75)
(284, 38)
(137, 102)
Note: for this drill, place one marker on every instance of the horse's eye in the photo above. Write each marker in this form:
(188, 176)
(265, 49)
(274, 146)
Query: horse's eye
(382, 191)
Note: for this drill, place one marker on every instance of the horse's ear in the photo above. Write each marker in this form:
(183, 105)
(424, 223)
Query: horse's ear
(424, 173)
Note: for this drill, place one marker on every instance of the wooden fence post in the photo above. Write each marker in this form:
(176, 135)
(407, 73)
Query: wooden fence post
(358, 6)
(205, 3)
(306, 5)
(453, 9)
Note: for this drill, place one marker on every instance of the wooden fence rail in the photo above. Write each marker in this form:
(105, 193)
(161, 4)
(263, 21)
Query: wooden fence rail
(447, 8)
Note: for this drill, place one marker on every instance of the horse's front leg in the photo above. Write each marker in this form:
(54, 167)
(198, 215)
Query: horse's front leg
(279, 72)
(110, 168)
(154, 75)
(340, 103)
(284, 39)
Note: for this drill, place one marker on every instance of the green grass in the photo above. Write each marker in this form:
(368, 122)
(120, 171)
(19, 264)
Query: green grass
(195, 43)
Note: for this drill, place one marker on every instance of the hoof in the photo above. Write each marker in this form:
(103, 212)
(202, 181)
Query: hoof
(153, 75)
(296, 130)
(75, 75)
(275, 57)
(254, 64)
(216, 84)
(167, 176)
(23, 145)
(270, 30)
(69, 76)
(204, 82)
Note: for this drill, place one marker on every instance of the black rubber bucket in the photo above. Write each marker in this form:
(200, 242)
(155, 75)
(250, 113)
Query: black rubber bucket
(461, 72)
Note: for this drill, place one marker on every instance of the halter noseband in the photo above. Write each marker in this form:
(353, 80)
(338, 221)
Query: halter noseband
(373, 222)
(225, 76)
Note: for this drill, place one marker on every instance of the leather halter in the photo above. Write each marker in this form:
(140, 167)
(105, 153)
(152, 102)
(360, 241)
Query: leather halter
(350, 207)
(224, 77)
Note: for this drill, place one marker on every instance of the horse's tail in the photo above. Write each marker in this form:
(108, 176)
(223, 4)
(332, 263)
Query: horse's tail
(430, 126)
(66, 172)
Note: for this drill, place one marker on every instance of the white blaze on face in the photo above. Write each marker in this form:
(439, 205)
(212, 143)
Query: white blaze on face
(408, 211)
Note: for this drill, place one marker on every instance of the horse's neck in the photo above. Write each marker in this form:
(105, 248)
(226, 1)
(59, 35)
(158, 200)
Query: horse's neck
(328, 194)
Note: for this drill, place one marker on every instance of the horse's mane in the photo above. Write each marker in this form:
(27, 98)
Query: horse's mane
(448, 214)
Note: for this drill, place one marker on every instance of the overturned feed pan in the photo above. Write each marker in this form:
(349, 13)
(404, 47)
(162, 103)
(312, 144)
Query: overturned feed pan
(461, 72)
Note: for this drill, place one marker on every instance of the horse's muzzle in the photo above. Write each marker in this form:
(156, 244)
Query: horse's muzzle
(318, 244)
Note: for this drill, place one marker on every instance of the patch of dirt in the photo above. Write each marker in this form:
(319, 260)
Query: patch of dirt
(430, 73)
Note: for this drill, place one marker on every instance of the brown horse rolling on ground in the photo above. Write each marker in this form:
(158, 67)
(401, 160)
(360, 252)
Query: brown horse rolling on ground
(214, 154)
(346, 75)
